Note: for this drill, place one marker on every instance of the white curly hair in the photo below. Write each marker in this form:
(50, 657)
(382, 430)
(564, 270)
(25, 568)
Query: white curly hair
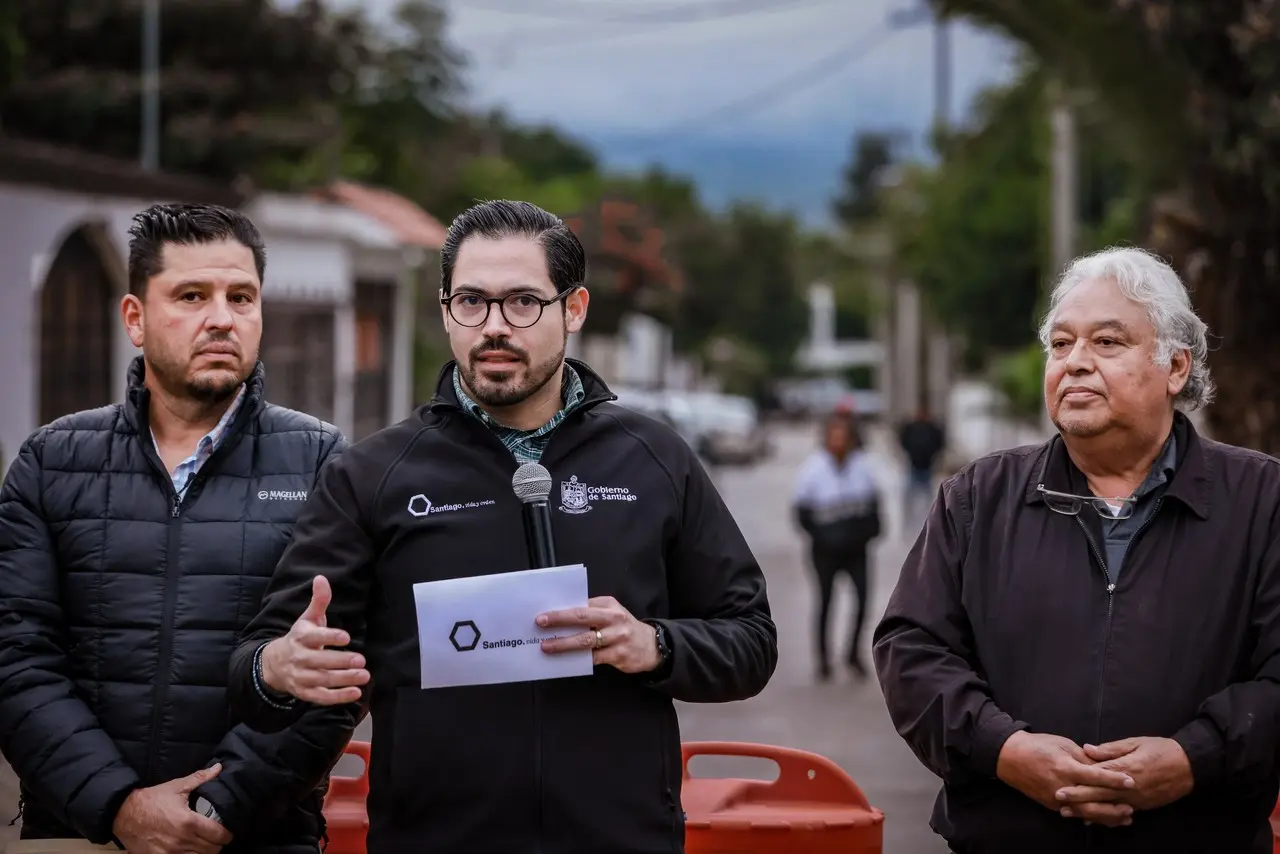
(1148, 280)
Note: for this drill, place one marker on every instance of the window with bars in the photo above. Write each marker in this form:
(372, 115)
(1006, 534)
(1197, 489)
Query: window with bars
(297, 353)
(77, 319)
(375, 308)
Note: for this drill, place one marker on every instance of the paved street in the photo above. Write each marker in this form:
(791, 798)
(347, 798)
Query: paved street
(843, 720)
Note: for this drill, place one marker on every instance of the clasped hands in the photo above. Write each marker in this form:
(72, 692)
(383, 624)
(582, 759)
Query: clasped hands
(1100, 784)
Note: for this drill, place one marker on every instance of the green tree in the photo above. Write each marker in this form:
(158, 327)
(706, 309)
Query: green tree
(975, 240)
(873, 154)
(283, 94)
(1189, 87)
(973, 231)
(742, 286)
(395, 113)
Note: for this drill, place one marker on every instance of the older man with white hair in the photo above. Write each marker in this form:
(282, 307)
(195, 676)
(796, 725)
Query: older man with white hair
(1084, 643)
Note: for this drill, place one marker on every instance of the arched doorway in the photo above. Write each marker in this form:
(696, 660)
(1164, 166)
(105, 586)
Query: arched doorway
(76, 325)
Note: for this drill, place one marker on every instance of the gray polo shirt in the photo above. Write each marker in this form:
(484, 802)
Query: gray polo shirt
(1118, 532)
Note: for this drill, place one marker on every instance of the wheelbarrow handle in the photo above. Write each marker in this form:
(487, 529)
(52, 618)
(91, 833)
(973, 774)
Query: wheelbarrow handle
(829, 782)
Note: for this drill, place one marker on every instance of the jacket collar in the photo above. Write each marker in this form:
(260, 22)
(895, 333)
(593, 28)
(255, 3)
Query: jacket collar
(138, 397)
(597, 391)
(1191, 480)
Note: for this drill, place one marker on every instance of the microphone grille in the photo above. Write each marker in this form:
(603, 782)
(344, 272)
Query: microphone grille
(531, 483)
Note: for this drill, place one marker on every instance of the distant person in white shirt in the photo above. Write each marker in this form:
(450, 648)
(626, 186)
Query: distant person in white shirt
(837, 504)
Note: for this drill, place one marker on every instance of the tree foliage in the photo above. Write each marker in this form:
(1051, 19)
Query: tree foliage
(228, 105)
(973, 231)
(290, 96)
(1192, 86)
(872, 156)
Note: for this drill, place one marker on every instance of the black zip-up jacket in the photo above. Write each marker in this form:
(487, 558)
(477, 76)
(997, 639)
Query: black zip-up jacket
(120, 607)
(565, 766)
(1004, 619)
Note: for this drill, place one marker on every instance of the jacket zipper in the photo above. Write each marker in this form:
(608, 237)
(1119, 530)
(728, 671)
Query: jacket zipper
(160, 690)
(537, 770)
(1111, 590)
(161, 687)
(534, 687)
(1106, 638)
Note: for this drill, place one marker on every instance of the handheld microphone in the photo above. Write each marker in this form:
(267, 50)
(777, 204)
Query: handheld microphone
(532, 485)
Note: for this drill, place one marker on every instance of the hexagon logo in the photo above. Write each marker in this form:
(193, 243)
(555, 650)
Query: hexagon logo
(419, 505)
(465, 636)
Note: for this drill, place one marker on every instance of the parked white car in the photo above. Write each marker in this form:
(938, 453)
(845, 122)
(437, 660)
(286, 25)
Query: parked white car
(721, 428)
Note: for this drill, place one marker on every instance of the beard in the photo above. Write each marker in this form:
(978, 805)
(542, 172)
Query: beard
(513, 385)
(207, 387)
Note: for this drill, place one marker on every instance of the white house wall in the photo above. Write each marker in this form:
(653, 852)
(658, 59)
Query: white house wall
(34, 223)
(306, 270)
(301, 268)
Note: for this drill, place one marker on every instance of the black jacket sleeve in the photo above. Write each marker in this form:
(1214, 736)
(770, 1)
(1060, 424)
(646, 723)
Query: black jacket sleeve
(724, 645)
(1235, 736)
(331, 538)
(925, 657)
(55, 743)
(265, 774)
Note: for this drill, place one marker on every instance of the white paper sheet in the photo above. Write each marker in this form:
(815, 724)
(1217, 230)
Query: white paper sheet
(481, 630)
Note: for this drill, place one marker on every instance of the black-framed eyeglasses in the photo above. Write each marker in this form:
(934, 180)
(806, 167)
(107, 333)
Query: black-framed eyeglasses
(520, 310)
(1071, 505)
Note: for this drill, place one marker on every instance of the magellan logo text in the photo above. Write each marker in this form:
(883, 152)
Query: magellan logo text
(282, 494)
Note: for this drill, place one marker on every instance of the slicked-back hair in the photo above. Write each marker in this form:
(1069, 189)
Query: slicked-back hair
(186, 225)
(566, 259)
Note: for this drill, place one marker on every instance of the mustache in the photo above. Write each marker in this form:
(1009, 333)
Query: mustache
(498, 345)
(222, 338)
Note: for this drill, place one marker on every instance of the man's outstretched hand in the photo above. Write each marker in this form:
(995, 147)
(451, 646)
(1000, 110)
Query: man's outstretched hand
(301, 664)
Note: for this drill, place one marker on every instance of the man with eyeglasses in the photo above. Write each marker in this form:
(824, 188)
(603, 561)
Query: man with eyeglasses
(1084, 643)
(678, 610)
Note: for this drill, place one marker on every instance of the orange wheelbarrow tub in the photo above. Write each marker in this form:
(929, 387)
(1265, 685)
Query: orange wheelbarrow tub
(813, 807)
(345, 809)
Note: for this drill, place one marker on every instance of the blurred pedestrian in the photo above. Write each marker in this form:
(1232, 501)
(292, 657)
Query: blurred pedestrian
(1084, 642)
(922, 440)
(837, 503)
(135, 543)
(677, 610)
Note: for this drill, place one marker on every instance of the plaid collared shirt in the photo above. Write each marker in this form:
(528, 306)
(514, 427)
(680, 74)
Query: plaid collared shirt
(208, 443)
(525, 445)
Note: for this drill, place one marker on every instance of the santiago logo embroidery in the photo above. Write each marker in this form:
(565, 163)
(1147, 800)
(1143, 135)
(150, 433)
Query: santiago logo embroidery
(576, 497)
(573, 496)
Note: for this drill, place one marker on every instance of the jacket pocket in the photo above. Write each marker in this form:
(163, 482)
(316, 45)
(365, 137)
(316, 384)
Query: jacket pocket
(457, 754)
(610, 765)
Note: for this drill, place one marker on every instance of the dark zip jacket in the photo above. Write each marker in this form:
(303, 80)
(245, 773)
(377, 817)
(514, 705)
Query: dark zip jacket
(1004, 619)
(120, 605)
(566, 766)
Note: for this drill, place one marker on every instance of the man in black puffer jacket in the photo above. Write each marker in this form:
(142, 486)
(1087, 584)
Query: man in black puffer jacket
(135, 544)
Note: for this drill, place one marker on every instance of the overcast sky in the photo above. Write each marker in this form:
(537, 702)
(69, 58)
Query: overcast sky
(650, 78)
(643, 89)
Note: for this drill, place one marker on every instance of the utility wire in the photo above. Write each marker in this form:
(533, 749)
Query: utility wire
(677, 14)
(795, 82)
(645, 22)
